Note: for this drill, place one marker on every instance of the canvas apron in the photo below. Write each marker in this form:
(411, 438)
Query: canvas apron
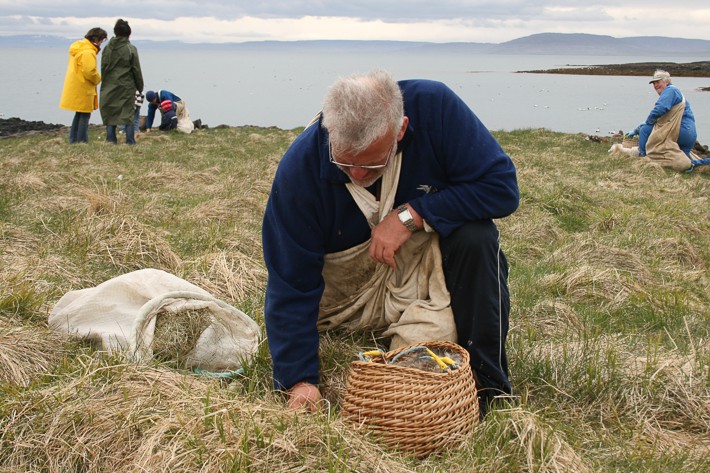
(662, 146)
(411, 303)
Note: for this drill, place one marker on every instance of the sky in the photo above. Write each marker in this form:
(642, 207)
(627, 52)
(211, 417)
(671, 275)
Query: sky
(440, 21)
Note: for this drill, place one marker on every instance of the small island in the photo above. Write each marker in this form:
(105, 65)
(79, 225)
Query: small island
(690, 69)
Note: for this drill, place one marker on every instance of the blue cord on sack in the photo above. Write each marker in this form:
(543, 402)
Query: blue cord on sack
(219, 374)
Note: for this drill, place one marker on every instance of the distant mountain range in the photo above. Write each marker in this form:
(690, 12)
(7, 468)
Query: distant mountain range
(543, 43)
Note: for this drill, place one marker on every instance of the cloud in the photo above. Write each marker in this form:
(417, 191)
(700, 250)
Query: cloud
(415, 20)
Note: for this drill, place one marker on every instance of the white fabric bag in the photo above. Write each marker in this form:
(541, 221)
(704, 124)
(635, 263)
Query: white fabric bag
(120, 313)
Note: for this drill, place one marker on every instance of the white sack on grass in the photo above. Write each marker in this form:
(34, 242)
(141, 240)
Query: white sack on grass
(121, 314)
(618, 150)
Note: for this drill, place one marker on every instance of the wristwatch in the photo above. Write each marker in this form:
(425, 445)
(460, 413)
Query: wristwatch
(405, 216)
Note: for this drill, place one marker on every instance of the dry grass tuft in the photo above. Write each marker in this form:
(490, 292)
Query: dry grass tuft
(594, 253)
(555, 317)
(28, 182)
(128, 244)
(585, 283)
(232, 275)
(176, 334)
(102, 201)
(17, 242)
(521, 439)
(26, 352)
(215, 210)
(676, 251)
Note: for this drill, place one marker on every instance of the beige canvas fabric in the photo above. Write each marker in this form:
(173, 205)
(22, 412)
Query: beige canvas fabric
(120, 315)
(185, 124)
(411, 303)
(662, 147)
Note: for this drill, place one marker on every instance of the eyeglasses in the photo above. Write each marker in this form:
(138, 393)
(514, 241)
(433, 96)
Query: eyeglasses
(390, 153)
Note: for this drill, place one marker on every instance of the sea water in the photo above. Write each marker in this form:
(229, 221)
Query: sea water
(285, 88)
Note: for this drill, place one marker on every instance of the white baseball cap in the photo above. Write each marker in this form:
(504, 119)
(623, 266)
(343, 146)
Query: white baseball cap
(659, 75)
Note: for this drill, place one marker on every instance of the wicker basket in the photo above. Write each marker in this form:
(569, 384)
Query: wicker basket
(413, 410)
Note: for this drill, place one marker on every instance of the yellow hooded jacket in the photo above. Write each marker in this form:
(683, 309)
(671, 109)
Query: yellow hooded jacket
(79, 93)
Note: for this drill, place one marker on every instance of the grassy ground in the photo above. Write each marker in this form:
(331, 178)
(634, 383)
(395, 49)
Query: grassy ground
(609, 330)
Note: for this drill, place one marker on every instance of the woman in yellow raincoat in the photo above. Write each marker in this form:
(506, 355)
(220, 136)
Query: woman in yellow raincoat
(79, 93)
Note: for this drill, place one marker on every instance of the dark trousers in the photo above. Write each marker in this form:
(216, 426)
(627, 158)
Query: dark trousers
(79, 131)
(112, 138)
(476, 273)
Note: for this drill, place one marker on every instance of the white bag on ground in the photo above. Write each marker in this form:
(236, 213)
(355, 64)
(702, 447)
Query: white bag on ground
(121, 313)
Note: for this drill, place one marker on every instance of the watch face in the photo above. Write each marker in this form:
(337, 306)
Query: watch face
(405, 216)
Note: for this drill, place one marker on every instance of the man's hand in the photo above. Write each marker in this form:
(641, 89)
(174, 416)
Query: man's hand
(388, 236)
(304, 396)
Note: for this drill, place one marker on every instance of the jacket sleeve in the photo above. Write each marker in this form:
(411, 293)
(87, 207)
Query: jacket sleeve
(87, 65)
(481, 177)
(136, 69)
(293, 252)
(150, 117)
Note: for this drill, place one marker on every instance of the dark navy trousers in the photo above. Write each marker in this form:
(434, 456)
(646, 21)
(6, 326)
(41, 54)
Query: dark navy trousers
(476, 273)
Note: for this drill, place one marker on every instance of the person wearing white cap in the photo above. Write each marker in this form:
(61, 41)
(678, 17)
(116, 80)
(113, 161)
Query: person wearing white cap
(671, 120)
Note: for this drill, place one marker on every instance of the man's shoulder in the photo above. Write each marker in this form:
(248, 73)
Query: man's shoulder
(306, 142)
(672, 89)
(423, 85)
(425, 91)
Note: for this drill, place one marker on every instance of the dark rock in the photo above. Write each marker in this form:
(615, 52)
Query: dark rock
(17, 126)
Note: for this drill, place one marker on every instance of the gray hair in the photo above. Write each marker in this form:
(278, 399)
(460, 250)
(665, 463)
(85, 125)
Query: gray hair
(361, 108)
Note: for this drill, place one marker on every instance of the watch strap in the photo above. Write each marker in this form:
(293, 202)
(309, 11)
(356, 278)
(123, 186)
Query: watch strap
(405, 216)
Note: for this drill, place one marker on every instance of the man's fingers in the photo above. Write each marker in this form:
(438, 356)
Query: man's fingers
(304, 396)
(388, 259)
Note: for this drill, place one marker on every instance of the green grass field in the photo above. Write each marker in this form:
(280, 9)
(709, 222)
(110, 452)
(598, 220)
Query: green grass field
(609, 343)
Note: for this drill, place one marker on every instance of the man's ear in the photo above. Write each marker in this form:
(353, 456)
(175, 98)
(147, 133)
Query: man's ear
(405, 124)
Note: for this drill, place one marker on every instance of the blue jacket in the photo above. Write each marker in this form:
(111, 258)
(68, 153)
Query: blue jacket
(162, 95)
(453, 171)
(671, 96)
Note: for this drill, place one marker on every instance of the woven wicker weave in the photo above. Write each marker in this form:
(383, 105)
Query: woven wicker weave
(411, 409)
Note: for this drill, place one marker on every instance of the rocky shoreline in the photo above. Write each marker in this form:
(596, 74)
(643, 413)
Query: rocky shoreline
(690, 69)
(19, 127)
(12, 127)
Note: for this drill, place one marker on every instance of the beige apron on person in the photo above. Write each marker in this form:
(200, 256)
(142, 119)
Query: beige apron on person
(662, 146)
(411, 303)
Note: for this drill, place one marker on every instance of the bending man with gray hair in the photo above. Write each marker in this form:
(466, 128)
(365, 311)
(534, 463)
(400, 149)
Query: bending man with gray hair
(380, 218)
(669, 128)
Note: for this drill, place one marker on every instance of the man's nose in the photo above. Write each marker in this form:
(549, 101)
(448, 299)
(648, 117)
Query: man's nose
(358, 173)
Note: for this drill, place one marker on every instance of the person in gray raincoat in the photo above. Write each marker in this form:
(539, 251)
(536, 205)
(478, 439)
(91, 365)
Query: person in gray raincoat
(122, 77)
